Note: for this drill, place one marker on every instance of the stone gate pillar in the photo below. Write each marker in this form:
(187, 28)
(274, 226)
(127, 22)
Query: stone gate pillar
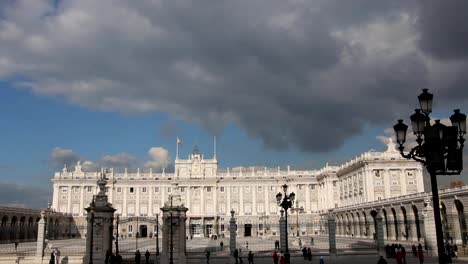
(233, 233)
(430, 237)
(40, 245)
(174, 231)
(100, 228)
(379, 233)
(282, 231)
(331, 231)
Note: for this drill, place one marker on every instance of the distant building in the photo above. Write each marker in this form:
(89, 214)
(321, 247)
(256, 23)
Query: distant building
(210, 193)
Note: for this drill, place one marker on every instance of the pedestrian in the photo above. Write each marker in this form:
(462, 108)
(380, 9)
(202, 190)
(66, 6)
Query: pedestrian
(137, 257)
(112, 259)
(57, 255)
(207, 257)
(309, 254)
(282, 259)
(399, 256)
(221, 245)
(52, 258)
(300, 243)
(455, 251)
(16, 245)
(250, 257)
(119, 259)
(381, 260)
(236, 256)
(147, 255)
(275, 257)
(108, 255)
(304, 253)
(311, 241)
(420, 254)
(321, 260)
(415, 253)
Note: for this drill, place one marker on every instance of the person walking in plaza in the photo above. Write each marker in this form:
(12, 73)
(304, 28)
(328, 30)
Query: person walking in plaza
(381, 260)
(52, 258)
(221, 245)
(282, 259)
(250, 257)
(147, 255)
(420, 254)
(208, 257)
(137, 257)
(399, 256)
(275, 257)
(16, 245)
(236, 256)
(455, 251)
(112, 259)
(57, 255)
(304, 253)
(322, 261)
(309, 254)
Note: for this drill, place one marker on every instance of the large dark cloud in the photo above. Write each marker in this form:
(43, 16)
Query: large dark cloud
(304, 74)
(24, 195)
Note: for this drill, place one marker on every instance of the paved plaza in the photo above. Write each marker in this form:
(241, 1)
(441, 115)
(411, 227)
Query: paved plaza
(350, 250)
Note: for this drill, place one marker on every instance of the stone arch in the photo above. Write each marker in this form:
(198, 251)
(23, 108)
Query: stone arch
(405, 226)
(4, 229)
(13, 228)
(22, 228)
(353, 225)
(386, 225)
(444, 218)
(416, 222)
(395, 224)
(348, 225)
(461, 220)
(373, 214)
(359, 224)
(4, 220)
(366, 229)
(30, 229)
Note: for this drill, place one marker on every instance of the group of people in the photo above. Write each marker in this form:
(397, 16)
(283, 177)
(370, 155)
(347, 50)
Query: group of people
(55, 256)
(396, 251)
(112, 258)
(238, 256)
(307, 254)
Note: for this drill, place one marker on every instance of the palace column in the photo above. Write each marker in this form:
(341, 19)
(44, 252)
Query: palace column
(69, 198)
(124, 207)
(150, 201)
(202, 202)
(81, 200)
(403, 182)
(137, 206)
(241, 200)
(254, 200)
(386, 176)
(267, 206)
(307, 195)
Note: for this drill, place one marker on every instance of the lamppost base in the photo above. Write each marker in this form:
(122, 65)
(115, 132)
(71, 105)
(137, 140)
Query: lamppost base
(287, 256)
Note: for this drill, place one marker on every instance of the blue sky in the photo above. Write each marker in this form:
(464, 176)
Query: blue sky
(277, 81)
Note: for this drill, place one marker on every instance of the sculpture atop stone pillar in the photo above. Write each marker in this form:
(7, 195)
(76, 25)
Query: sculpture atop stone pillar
(100, 227)
(282, 224)
(379, 233)
(233, 233)
(430, 238)
(331, 231)
(174, 240)
(41, 236)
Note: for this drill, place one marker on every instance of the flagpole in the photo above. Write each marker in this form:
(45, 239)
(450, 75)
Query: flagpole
(177, 148)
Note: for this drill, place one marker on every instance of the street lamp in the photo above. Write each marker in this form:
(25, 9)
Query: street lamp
(117, 235)
(297, 210)
(286, 203)
(91, 210)
(439, 148)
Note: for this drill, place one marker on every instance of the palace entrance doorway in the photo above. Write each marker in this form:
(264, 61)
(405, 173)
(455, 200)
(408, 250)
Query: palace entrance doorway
(247, 230)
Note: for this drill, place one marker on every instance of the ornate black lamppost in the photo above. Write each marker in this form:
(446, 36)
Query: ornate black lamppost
(286, 203)
(439, 148)
(117, 235)
(91, 210)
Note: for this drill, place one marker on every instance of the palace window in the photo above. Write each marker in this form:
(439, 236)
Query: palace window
(208, 189)
(234, 189)
(260, 226)
(169, 189)
(76, 189)
(272, 189)
(312, 187)
(156, 189)
(182, 189)
(222, 227)
(143, 190)
(130, 228)
(259, 188)
(132, 189)
(107, 189)
(89, 189)
(64, 189)
(119, 189)
(247, 189)
(221, 189)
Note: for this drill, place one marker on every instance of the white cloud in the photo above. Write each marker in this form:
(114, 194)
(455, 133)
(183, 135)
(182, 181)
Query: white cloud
(61, 157)
(160, 158)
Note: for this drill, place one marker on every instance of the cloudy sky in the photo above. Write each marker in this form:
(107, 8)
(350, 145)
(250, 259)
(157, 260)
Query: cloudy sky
(300, 82)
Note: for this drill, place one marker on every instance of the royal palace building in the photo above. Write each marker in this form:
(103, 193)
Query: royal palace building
(210, 193)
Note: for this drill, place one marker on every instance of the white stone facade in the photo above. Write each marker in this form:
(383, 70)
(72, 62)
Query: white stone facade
(210, 193)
